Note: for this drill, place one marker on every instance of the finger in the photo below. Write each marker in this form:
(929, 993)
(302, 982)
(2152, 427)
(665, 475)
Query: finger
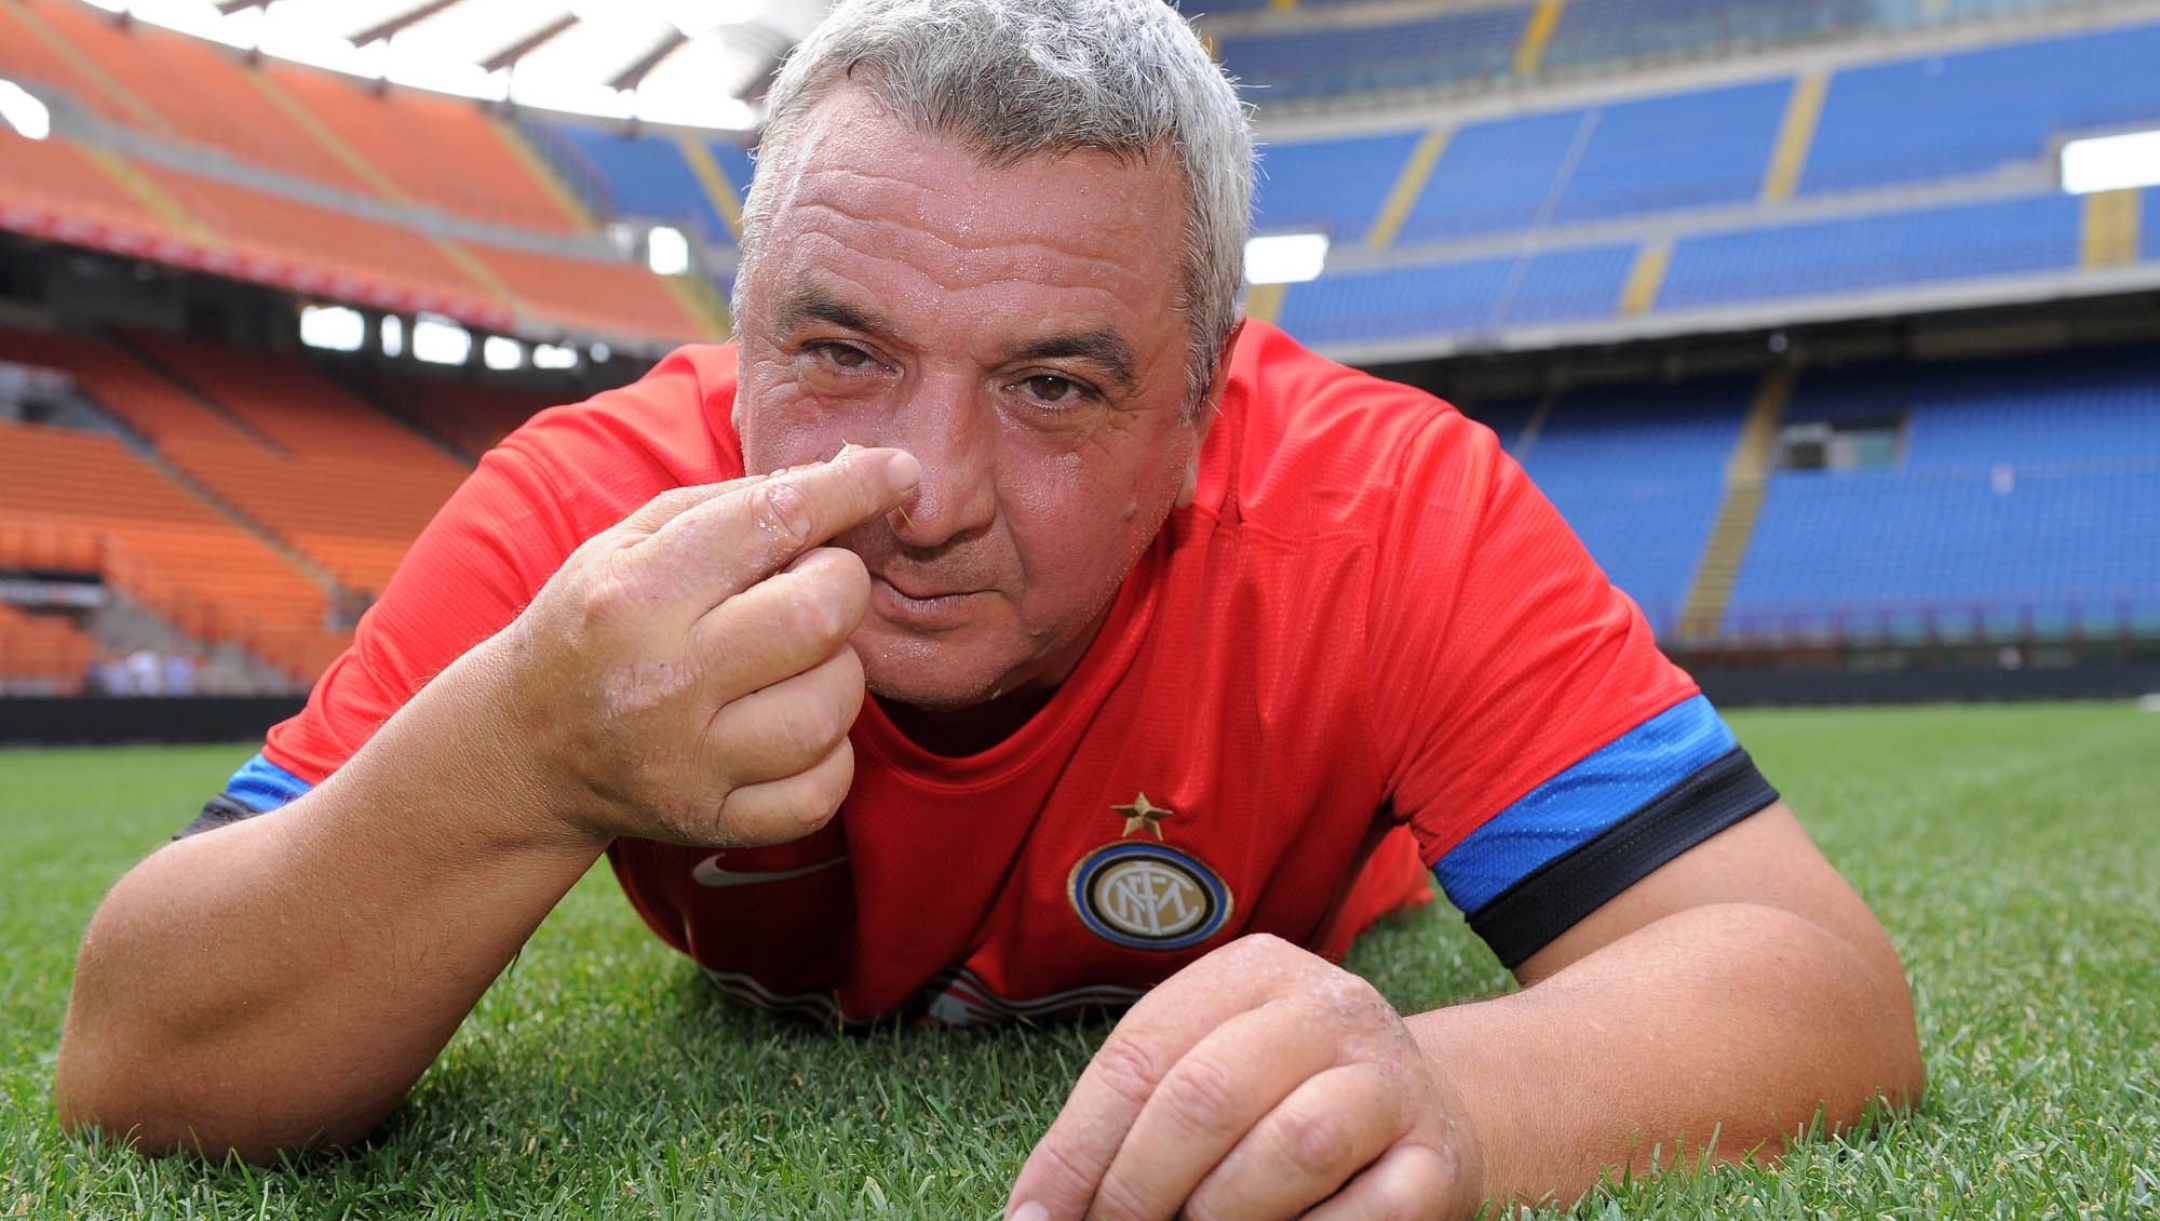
(1208, 1101)
(783, 625)
(1316, 1140)
(1408, 1183)
(1069, 1162)
(783, 811)
(788, 727)
(672, 503)
(726, 544)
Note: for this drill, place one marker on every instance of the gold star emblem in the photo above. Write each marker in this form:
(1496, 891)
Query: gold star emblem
(1143, 815)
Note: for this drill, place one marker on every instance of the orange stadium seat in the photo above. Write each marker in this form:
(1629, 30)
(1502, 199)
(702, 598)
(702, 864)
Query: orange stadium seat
(143, 400)
(440, 151)
(474, 418)
(347, 251)
(54, 180)
(160, 544)
(345, 484)
(202, 92)
(26, 55)
(43, 652)
(610, 297)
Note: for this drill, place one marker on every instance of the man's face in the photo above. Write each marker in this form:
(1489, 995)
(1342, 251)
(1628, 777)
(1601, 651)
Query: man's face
(1015, 329)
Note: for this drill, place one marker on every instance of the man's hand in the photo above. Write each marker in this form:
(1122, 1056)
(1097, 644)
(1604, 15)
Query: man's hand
(1259, 1082)
(686, 675)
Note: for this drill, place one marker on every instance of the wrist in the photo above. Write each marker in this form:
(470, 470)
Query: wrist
(513, 770)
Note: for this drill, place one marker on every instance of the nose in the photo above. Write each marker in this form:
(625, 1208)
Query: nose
(947, 425)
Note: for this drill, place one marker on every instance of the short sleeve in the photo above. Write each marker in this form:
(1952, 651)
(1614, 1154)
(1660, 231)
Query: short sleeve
(566, 476)
(1544, 751)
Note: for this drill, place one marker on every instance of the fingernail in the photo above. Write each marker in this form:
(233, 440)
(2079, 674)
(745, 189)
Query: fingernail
(905, 469)
(1029, 1211)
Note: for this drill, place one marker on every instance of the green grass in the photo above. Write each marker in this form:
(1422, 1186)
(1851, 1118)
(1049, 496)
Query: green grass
(2014, 854)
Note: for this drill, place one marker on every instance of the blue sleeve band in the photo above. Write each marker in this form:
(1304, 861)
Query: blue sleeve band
(263, 786)
(1567, 811)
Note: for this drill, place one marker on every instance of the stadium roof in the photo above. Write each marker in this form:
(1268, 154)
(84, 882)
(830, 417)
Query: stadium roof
(698, 63)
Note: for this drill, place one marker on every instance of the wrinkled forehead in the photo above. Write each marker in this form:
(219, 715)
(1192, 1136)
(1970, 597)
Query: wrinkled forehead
(854, 173)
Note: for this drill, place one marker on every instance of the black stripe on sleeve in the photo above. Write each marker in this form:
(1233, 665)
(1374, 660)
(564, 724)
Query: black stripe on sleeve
(1525, 917)
(222, 810)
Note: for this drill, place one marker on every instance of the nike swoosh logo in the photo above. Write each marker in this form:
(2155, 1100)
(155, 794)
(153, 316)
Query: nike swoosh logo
(709, 872)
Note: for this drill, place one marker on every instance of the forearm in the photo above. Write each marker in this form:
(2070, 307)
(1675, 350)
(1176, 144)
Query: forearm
(284, 981)
(1733, 1023)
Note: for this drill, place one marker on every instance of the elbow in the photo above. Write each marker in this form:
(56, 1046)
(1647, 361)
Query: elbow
(122, 1116)
(1881, 1038)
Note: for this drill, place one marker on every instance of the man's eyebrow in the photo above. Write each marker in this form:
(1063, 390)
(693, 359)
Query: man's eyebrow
(1104, 348)
(808, 303)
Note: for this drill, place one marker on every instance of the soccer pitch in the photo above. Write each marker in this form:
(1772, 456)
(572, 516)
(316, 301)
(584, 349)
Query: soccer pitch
(2014, 853)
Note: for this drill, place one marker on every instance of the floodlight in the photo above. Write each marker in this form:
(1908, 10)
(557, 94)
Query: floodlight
(2111, 163)
(502, 353)
(439, 341)
(1285, 258)
(554, 356)
(667, 251)
(333, 328)
(21, 110)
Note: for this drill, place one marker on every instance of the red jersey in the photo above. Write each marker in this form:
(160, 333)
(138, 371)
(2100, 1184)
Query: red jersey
(1368, 649)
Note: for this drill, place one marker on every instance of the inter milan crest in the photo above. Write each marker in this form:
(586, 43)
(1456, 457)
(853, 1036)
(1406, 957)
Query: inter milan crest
(1147, 896)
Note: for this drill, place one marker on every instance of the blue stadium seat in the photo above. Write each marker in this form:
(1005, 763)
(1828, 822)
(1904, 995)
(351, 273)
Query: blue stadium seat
(1493, 177)
(1639, 472)
(1455, 298)
(1370, 58)
(1682, 150)
(2029, 499)
(1600, 30)
(1870, 252)
(1334, 186)
(1972, 112)
(645, 177)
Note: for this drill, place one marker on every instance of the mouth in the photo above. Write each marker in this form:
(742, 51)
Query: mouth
(921, 607)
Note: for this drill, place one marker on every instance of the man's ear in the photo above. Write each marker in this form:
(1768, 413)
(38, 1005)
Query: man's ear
(1204, 418)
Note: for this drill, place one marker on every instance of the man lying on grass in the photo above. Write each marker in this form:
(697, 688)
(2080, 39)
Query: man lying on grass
(1191, 653)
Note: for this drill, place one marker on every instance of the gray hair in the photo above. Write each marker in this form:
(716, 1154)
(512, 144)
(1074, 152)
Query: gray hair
(1011, 79)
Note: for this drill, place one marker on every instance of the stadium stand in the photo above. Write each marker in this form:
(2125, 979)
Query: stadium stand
(1968, 114)
(642, 176)
(1493, 177)
(42, 654)
(1410, 50)
(470, 417)
(68, 496)
(309, 181)
(193, 88)
(2027, 502)
(1688, 150)
(1470, 296)
(1639, 473)
(51, 186)
(348, 256)
(1861, 253)
(600, 296)
(322, 469)
(1367, 58)
(1594, 31)
(460, 163)
(1330, 186)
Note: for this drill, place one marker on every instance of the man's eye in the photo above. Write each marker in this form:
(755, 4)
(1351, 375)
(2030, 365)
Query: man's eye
(843, 355)
(1050, 388)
